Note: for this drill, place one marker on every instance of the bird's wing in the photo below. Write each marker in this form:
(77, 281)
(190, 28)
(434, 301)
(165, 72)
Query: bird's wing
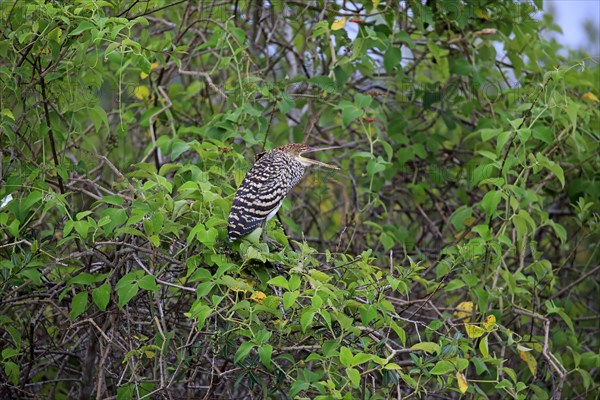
(260, 194)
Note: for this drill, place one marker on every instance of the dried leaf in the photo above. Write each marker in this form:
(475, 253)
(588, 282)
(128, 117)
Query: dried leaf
(486, 32)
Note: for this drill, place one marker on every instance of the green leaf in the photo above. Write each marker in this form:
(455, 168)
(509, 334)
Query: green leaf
(375, 167)
(242, 352)
(345, 356)
(354, 376)
(516, 123)
(286, 104)
(101, 296)
(178, 147)
(392, 58)
(362, 100)
(319, 275)
(306, 319)
(11, 370)
(265, 352)
(148, 282)
(523, 134)
(483, 347)
(557, 171)
(442, 367)
(428, 347)
(82, 228)
(112, 199)
(403, 36)
(392, 366)
(490, 202)
(459, 216)
(154, 240)
(323, 82)
(567, 319)
(200, 312)
(349, 114)
(279, 281)
(289, 298)
(361, 358)
(83, 26)
(9, 352)
(294, 282)
(79, 304)
(118, 217)
(367, 314)
(523, 223)
(86, 278)
(298, 385)
(126, 293)
(453, 285)
(98, 117)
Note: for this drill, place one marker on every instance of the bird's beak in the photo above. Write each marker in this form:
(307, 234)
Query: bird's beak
(315, 162)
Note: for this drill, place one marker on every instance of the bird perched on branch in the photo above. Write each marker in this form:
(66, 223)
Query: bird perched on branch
(265, 186)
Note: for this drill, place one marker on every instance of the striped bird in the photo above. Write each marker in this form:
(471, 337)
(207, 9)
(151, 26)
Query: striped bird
(270, 179)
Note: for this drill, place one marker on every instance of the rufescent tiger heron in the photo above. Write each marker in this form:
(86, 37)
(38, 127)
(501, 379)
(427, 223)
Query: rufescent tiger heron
(265, 186)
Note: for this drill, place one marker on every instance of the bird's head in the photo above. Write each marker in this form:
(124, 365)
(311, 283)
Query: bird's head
(296, 150)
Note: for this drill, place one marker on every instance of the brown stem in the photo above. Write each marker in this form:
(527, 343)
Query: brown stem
(50, 132)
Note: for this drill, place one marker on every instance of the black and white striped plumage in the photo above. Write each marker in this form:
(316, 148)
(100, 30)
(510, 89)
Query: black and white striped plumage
(262, 191)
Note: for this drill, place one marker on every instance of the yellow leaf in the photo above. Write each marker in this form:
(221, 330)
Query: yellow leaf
(589, 96)
(338, 24)
(375, 3)
(279, 323)
(149, 354)
(428, 347)
(258, 296)
(8, 113)
(55, 34)
(144, 75)
(464, 311)
(469, 221)
(461, 235)
(489, 323)
(239, 285)
(142, 92)
(474, 331)
(528, 357)
(463, 385)
(481, 14)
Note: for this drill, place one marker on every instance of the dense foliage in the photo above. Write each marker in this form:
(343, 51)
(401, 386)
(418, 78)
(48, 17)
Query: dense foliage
(454, 254)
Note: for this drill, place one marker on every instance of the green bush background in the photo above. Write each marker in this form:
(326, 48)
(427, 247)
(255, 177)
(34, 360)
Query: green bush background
(454, 254)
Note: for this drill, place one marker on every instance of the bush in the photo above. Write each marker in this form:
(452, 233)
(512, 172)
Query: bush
(455, 252)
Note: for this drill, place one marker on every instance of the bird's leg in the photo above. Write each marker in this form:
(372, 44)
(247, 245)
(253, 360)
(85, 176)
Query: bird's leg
(263, 226)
